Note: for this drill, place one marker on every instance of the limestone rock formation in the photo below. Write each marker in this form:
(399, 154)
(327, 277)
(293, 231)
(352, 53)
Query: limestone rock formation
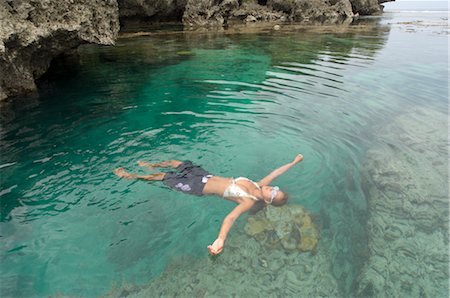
(252, 12)
(366, 7)
(208, 12)
(198, 13)
(288, 226)
(218, 13)
(312, 11)
(33, 32)
(157, 10)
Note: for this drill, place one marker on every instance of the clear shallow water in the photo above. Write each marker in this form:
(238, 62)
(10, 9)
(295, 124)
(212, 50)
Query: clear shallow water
(239, 104)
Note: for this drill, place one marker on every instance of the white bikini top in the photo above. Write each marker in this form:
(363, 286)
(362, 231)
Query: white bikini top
(235, 191)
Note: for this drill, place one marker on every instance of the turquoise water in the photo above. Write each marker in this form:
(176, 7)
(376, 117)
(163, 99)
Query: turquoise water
(363, 104)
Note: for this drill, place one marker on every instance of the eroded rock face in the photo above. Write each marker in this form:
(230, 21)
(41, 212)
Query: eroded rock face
(252, 12)
(290, 227)
(218, 13)
(312, 11)
(208, 12)
(33, 32)
(199, 13)
(367, 7)
(159, 9)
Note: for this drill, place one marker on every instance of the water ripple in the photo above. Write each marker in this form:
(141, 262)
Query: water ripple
(235, 106)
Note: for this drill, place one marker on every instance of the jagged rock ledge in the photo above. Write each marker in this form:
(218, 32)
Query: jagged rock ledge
(33, 32)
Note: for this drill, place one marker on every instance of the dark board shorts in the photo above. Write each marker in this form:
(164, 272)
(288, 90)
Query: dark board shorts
(188, 178)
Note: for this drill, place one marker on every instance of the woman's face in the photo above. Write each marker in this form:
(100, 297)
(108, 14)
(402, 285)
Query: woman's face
(272, 195)
(266, 192)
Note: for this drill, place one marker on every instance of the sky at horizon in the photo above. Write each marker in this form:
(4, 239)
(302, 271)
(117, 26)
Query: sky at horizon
(412, 5)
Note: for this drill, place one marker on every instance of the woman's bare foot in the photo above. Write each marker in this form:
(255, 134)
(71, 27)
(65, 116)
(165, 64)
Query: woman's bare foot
(163, 164)
(146, 164)
(123, 174)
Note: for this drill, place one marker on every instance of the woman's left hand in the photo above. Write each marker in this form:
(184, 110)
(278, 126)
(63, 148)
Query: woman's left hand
(298, 158)
(216, 248)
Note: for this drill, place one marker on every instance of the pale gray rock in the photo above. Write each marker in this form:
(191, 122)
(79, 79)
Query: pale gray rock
(367, 7)
(218, 13)
(314, 11)
(208, 12)
(33, 32)
(253, 12)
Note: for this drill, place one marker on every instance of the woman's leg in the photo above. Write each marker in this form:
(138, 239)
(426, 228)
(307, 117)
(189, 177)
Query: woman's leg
(164, 164)
(152, 177)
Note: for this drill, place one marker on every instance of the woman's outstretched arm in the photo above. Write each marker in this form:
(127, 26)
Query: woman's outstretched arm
(217, 246)
(281, 170)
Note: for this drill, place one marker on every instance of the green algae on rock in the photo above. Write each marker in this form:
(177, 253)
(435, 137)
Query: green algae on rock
(247, 269)
(185, 53)
(289, 226)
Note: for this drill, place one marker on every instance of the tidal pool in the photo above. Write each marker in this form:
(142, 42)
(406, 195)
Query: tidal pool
(365, 104)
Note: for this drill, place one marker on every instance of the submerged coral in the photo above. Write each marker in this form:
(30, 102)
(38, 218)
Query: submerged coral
(247, 268)
(260, 260)
(408, 222)
(289, 226)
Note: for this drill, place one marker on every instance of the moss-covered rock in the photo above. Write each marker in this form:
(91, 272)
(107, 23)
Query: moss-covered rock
(290, 227)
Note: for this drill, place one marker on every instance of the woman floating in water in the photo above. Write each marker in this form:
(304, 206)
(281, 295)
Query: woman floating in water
(193, 179)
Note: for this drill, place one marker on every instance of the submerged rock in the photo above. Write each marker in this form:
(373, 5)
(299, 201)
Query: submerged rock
(289, 226)
(33, 32)
(246, 268)
(407, 183)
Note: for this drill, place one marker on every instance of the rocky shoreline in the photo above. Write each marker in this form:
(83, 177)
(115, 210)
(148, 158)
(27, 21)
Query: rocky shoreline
(34, 32)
